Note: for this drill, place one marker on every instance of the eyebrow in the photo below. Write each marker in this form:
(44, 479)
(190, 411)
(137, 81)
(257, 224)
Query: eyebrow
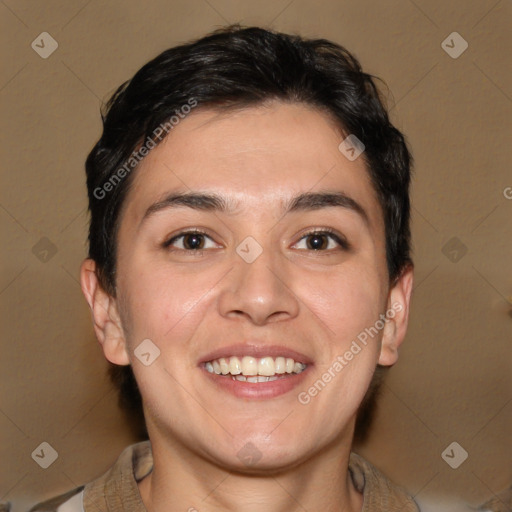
(306, 201)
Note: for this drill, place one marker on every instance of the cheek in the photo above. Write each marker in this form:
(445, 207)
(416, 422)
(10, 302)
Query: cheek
(161, 303)
(345, 303)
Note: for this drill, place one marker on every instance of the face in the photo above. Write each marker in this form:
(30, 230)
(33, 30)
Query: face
(250, 245)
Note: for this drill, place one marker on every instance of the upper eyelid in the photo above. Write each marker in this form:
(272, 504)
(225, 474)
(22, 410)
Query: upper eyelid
(169, 240)
(340, 239)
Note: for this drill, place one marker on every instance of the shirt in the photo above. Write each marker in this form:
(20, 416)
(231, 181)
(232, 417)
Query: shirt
(117, 489)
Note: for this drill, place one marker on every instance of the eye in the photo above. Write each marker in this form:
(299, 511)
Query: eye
(322, 240)
(190, 241)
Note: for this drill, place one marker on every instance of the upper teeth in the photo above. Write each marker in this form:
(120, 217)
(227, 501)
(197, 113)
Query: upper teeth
(247, 365)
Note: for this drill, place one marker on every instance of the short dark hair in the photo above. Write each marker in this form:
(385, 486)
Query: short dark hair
(237, 67)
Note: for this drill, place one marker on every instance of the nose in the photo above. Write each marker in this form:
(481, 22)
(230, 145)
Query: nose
(260, 291)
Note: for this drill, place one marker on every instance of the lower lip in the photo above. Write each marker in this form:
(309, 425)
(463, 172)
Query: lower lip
(257, 390)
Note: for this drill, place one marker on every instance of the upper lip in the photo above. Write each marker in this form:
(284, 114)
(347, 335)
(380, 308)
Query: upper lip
(255, 350)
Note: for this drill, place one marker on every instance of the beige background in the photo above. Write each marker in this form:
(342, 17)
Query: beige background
(452, 382)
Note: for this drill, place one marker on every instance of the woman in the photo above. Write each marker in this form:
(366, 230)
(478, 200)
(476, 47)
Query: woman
(249, 262)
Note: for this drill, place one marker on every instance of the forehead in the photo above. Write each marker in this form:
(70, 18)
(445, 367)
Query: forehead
(258, 158)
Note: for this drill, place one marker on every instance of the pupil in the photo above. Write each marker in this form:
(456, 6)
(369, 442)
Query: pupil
(193, 241)
(317, 242)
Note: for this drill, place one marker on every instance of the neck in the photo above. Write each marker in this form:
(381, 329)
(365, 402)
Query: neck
(183, 481)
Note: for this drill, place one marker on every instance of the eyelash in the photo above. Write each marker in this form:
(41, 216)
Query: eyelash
(340, 240)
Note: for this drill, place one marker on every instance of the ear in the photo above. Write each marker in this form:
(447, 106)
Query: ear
(397, 317)
(105, 315)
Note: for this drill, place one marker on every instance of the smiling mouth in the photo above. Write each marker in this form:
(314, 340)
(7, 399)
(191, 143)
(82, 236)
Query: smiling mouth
(253, 369)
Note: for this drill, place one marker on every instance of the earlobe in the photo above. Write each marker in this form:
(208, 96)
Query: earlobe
(397, 317)
(105, 316)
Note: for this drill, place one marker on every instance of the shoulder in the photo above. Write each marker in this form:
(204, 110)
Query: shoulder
(120, 480)
(378, 491)
(70, 501)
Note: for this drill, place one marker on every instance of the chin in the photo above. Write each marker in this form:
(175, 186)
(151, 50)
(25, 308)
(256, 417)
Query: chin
(249, 460)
